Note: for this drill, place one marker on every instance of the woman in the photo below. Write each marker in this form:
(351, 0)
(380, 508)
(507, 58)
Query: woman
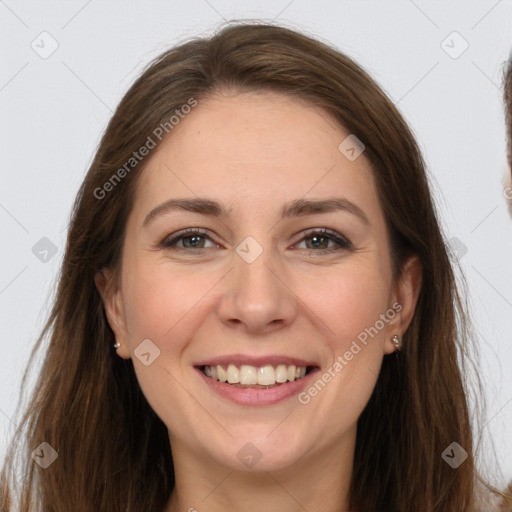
(256, 303)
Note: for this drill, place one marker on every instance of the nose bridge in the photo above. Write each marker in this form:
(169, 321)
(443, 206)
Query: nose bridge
(253, 270)
(255, 296)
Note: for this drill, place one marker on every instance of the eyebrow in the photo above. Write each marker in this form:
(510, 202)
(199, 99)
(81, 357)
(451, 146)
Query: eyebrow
(297, 208)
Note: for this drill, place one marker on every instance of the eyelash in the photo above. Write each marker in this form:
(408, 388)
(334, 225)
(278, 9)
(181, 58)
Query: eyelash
(343, 243)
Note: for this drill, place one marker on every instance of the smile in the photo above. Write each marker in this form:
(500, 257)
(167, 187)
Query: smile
(248, 376)
(256, 381)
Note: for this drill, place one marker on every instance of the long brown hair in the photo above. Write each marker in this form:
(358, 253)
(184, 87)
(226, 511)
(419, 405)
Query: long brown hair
(113, 450)
(507, 94)
(506, 505)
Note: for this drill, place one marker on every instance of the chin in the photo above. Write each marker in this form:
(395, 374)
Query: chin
(261, 453)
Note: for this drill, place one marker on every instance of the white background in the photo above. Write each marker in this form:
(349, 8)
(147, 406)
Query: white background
(54, 110)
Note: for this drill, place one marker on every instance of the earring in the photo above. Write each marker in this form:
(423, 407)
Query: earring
(396, 341)
(117, 345)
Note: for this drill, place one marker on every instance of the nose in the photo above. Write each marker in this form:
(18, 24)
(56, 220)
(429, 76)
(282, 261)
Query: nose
(256, 297)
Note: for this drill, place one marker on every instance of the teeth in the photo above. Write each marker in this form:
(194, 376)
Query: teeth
(221, 374)
(266, 376)
(233, 374)
(248, 374)
(282, 374)
(251, 375)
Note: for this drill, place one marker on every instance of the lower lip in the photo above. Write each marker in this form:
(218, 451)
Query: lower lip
(257, 396)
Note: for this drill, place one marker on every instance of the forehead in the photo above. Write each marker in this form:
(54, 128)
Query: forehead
(256, 151)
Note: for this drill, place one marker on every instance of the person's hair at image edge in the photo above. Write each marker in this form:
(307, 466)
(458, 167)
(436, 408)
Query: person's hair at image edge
(508, 120)
(114, 451)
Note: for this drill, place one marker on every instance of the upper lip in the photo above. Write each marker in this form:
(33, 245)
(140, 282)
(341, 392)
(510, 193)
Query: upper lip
(240, 359)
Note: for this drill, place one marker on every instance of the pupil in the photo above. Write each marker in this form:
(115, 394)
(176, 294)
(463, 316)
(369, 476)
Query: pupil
(192, 240)
(317, 240)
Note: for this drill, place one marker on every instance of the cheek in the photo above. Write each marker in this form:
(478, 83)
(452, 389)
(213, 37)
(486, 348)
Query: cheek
(347, 306)
(160, 301)
(346, 302)
(166, 306)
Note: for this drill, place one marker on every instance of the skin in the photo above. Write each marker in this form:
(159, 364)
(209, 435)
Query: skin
(253, 152)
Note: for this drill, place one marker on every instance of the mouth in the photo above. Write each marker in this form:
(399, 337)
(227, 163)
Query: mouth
(256, 380)
(256, 377)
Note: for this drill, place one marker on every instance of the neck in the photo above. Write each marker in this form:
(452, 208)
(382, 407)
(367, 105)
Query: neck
(317, 482)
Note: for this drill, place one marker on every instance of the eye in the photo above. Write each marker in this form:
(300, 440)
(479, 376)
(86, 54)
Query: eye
(321, 238)
(189, 238)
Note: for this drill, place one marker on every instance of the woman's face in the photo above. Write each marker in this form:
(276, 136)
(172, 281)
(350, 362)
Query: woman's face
(260, 288)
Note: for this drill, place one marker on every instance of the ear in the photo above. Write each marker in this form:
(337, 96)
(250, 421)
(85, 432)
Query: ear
(114, 309)
(405, 297)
